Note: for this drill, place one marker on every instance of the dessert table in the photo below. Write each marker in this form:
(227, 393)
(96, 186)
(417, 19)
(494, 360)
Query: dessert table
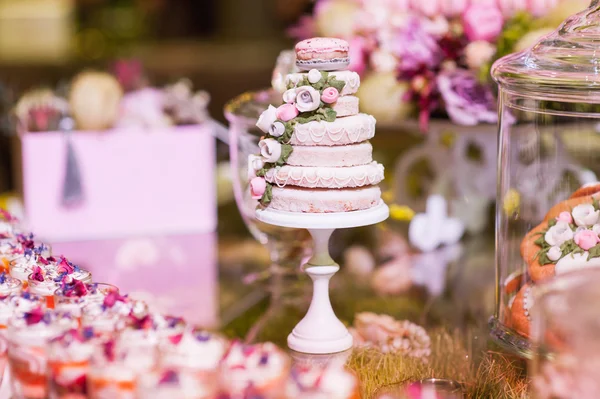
(222, 281)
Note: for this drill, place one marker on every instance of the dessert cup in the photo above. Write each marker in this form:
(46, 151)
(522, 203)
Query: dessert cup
(9, 285)
(8, 307)
(106, 318)
(74, 297)
(28, 337)
(195, 350)
(68, 364)
(115, 368)
(322, 381)
(249, 371)
(44, 281)
(167, 384)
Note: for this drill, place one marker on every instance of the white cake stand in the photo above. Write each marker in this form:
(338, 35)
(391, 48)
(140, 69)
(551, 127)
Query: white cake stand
(320, 331)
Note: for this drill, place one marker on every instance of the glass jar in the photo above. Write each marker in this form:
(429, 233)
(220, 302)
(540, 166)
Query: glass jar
(547, 219)
(565, 336)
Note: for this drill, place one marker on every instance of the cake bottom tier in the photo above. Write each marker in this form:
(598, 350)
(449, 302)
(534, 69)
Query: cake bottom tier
(297, 199)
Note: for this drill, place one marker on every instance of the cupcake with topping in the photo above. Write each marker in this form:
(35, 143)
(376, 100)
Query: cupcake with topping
(68, 363)
(24, 252)
(194, 350)
(74, 295)
(330, 381)
(28, 336)
(249, 371)
(171, 383)
(22, 266)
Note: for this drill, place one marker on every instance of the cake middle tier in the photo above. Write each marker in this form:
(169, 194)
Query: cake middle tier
(326, 177)
(336, 156)
(321, 200)
(342, 131)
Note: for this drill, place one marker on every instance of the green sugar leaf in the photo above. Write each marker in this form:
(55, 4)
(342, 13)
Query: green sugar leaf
(267, 196)
(286, 150)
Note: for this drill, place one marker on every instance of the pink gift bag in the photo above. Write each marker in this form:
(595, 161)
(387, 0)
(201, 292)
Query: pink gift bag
(130, 182)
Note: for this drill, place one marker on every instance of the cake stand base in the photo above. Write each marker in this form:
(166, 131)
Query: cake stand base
(320, 331)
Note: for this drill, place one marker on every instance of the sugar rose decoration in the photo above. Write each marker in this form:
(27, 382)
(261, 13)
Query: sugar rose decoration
(307, 99)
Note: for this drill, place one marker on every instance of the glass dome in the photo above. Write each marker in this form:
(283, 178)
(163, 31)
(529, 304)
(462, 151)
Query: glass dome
(548, 210)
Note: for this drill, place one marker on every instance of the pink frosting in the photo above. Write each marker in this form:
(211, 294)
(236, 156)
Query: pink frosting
(321, 45)
(586, 239)
(323, 177)
(332, 156)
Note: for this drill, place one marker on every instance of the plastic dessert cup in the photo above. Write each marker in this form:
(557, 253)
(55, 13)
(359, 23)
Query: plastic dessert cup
(194, 351)
(8, 307)
(9, 285)
(48, 281)
(114, 371)
(249, 371)
(68, 364)
(168, 384)
(28, 337)
(73, 299)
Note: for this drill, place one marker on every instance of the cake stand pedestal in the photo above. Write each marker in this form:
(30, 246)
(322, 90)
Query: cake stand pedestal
(320, 331)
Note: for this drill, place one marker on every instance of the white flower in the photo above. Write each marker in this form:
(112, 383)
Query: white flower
(255, 163)
(307, 99)
(558, 234)
(277, 129)
(314, 76)
(585, 215)
(270, 149)
(554, 253)
(478, 53)
(267, 118)
(289, 96)
(383, 61)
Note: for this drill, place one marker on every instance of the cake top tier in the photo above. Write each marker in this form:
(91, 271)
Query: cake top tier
(322, 53)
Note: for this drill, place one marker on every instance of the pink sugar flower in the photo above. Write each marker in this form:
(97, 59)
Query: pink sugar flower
(586, 239)
(330, 95)
(258, 185)
(287, 112)
(565, 217)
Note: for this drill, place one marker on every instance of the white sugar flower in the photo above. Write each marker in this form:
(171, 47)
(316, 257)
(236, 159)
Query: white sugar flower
(554, 253)
(585, 215)
(270, 149)
(289, 96)
(314, 76)
(307, 99)
(255, 163)
(558, 234)
(277, 129)
(267, 118)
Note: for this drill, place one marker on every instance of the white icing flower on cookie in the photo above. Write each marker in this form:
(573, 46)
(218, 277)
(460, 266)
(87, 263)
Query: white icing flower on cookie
(307, 99)
(270, 149)
(558, 234)
(585, 215)
(314, 76)
(554, 253)
(277, 129)
(267, 118)
(289, 96)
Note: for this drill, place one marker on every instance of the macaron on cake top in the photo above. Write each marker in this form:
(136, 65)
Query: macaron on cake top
(322, 53)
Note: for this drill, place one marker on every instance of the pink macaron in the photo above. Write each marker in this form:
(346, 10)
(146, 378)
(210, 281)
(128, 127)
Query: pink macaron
(322, 53)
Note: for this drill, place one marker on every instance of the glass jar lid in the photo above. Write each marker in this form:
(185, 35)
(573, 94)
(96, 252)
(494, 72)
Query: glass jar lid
(564, 65)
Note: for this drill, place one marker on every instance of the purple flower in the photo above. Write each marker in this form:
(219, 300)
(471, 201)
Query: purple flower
(467, 101)
(416, 48)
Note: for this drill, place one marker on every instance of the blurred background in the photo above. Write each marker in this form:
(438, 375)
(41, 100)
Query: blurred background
(224, 46)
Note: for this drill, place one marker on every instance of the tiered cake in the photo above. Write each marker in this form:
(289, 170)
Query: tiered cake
(315, 156)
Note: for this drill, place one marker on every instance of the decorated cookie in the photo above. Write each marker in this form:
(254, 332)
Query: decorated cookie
(323, 53)
(520, 318)
(566, 240)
